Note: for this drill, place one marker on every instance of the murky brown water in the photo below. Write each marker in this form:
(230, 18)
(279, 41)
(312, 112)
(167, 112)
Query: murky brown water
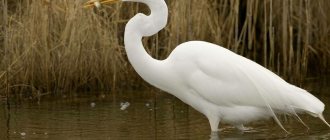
(149, 116)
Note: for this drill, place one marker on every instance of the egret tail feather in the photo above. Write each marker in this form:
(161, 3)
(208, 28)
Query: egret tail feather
(278, 122)
(322, 118)
(261, 92)
(298, 118)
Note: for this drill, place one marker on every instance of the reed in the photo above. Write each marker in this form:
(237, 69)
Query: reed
(58, 47)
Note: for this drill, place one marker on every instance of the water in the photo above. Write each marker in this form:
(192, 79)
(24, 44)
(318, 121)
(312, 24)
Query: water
(145, 115)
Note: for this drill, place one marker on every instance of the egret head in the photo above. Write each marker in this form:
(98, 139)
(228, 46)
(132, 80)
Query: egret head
(98, 3)
(145, 25)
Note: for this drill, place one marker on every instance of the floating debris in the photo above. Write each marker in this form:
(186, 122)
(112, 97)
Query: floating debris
(124, 106)
(23, 134)
(102, 96)
(93, 104)
(147, 105)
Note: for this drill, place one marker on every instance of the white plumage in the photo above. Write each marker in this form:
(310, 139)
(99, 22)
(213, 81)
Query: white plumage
(232, 88)
(218, 83)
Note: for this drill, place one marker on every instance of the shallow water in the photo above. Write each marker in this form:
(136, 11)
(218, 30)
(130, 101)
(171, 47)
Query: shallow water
(149, 115)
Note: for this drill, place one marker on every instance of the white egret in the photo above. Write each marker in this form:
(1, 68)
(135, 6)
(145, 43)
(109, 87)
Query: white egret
(213, 80)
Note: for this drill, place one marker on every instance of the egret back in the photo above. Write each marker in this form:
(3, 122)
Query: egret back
(226, 79)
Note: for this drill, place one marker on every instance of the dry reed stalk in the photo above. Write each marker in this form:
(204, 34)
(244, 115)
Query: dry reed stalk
(284, 35)
(58, 46)
(306, 36)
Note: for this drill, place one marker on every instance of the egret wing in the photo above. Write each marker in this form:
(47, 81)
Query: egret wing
(225, 78)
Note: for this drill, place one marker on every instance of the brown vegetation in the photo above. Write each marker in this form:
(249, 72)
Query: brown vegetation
(57, 46)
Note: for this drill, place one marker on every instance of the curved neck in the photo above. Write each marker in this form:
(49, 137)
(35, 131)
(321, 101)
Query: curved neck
(139, 26)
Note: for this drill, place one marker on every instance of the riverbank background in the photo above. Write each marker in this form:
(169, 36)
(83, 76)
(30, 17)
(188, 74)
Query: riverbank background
(58, 47)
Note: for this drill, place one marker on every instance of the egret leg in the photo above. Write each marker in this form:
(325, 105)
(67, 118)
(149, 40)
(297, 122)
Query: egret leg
(214, 123)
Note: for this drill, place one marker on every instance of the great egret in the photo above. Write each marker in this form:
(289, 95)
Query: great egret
(218, 83)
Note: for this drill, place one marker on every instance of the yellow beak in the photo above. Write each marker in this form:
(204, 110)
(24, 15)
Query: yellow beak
(98, 3)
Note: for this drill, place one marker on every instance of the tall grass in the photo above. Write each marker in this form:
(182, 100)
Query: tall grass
(59, 47)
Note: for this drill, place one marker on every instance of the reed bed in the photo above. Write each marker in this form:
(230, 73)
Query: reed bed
(59, 47)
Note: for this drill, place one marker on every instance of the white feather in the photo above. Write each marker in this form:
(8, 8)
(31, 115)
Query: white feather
(220, 84)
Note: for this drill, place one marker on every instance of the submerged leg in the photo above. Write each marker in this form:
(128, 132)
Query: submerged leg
(214, 136)
(241, 127)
